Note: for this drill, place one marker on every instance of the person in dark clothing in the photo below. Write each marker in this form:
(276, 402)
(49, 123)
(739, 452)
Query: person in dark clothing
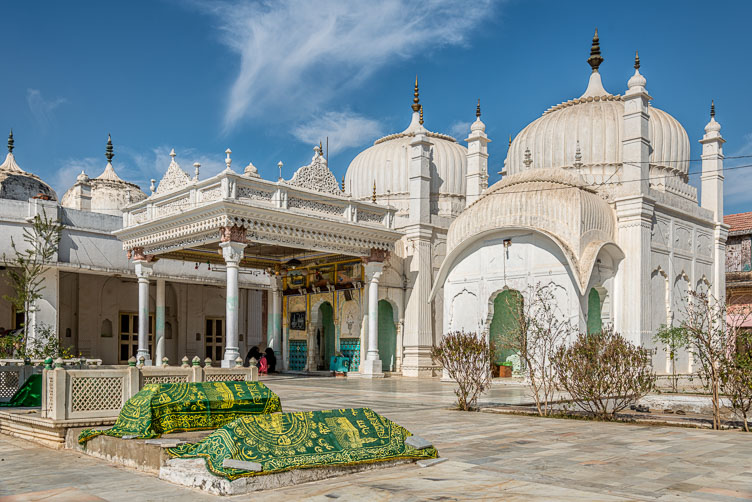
(271, 359)
(254, 353)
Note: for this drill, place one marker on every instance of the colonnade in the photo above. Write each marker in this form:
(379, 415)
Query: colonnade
(232, 251)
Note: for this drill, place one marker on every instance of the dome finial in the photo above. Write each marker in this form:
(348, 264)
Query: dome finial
(477, 109)
(528, 159)
(712, 108)
(595, 58)
(343, 183)
(373, 197)
(510, 141)
(636, 60)
(416, 97)
(578, 156)
(108, 153)
(10, 142)
(421, 115)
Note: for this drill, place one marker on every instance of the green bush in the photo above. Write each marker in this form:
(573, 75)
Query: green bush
(603, 372)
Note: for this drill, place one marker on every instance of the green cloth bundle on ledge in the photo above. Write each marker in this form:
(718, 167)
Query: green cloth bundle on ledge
(28, 395)
(303, 440)
(179, 407)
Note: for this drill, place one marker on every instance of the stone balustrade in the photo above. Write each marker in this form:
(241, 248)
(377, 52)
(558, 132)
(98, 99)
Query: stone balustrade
(99, 393)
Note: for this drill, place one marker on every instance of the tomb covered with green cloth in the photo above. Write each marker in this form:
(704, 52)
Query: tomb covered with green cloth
(180, 407)
(303, 440)
(28, 395)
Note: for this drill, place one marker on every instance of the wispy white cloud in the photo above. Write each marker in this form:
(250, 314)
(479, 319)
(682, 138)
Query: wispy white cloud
(296, 54)
(344, 130)
(42, 109)
(460, 130)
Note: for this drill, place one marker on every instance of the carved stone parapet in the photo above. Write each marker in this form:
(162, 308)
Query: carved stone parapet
(234, 233)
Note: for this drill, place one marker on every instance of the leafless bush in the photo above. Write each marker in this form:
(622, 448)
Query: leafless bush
(736, 377)
(604, 373)
(466, 357)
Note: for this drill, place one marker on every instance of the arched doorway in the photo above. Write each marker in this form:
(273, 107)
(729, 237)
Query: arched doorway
(506, 308)
(387, 336)
(326, 333)
(594, 321)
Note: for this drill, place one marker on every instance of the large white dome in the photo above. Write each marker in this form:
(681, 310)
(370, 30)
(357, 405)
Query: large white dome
(17, 184)
(386, 163)
(595, 121)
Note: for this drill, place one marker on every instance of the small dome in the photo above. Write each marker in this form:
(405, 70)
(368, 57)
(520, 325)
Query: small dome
(17, 184)
(388, 160)
(555, 202)
(109, 193)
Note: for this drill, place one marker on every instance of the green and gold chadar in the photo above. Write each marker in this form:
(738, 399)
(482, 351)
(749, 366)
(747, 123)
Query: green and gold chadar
(179, 407)
(303, 440)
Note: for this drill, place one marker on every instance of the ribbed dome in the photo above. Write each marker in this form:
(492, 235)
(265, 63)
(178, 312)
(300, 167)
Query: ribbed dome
(387, 162)
(109, 193)
(17, 184)
(596, 121)
(552, 201)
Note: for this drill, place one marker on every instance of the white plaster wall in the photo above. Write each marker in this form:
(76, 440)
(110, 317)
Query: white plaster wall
(482, 271)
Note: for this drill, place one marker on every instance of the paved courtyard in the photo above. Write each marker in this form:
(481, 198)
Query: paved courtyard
(491, 456)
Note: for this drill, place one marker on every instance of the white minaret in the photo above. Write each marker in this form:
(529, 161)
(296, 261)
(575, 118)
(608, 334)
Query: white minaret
(477, 160)
(712, 197)
(634, 213)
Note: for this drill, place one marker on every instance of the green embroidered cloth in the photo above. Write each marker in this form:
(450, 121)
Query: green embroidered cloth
(303, 440)
(178, 407)
(29, 394)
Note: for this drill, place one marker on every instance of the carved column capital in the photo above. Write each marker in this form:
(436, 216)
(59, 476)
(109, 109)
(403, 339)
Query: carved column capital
(233, 233)
(137, 254)
(376, 256)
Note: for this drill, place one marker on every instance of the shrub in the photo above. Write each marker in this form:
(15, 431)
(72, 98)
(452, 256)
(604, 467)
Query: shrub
(674, 339)
(466, 357)
(604, 373)
(736, 377)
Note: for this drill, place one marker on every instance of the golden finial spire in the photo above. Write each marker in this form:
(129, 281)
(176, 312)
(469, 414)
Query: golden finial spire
(108, 151)
(321, 148)
(712, 108)
(416, 98)
(510, 140)
(373, 197)
(421, 114)
(636, 60)
(595, 58)
(10, 142)
(343, 183)
(477, 110)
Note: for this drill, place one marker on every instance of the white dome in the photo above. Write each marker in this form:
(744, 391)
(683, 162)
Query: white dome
(17, 184)
(596, 121)
(109, 193)
(386, 163)
(555, 202)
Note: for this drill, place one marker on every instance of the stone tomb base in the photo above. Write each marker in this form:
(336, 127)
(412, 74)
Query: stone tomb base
(192, 472)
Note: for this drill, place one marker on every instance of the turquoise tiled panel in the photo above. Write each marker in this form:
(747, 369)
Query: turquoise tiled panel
(298, 354)
(350, 348)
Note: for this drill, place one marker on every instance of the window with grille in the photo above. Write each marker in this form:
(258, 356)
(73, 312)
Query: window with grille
(129, 336)
(214, 338)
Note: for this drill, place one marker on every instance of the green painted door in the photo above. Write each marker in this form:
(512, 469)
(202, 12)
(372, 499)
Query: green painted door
(506, 308)
(327, 331)
(387, 336)
(594, 322)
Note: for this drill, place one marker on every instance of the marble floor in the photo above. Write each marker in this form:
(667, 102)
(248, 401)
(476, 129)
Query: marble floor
(490, 456)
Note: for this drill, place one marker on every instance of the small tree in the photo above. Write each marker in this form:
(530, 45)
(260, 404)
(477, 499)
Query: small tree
(604, 373)
(736, 377)
(674, 339)
(541, 329)
(25, 267)
(712, 336)
(466, 357)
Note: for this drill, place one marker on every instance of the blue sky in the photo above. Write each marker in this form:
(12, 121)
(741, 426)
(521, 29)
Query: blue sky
(269, 79)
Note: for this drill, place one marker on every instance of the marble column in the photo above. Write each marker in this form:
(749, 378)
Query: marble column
(159, 332)
(232, 252)
(144, 270)
(372, 366)
(275, 317)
